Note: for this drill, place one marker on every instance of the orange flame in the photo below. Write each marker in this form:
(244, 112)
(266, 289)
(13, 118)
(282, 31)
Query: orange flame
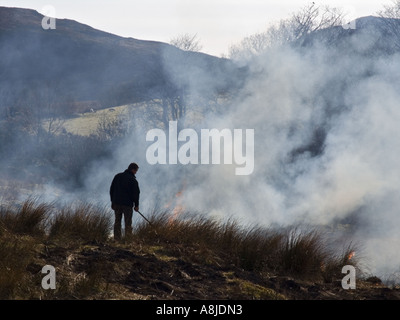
(351, 255)
(178, 208)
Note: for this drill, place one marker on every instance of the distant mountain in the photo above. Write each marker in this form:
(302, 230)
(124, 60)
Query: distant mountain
(81, 63)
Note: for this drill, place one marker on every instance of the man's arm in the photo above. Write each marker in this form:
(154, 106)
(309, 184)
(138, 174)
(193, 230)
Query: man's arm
(136, 195)
(112, 189)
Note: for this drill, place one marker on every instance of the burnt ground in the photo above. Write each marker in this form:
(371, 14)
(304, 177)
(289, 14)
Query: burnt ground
(114, 271)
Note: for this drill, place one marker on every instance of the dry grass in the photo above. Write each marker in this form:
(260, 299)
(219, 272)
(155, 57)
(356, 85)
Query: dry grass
(35, 227)
(87, 123)
(301, 252)
(84, 222)
(30, 218)
(15, 257)
(26, 229)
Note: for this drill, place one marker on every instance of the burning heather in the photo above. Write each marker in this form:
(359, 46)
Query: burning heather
(69, 251)
(302, 133)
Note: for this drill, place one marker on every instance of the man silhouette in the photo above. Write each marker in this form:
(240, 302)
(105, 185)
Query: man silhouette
(124, 194)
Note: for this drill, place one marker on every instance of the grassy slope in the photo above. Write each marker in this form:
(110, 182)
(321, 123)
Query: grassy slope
(85, 124)
(192, 258)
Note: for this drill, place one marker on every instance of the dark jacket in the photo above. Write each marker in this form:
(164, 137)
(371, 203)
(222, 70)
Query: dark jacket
(124, 189)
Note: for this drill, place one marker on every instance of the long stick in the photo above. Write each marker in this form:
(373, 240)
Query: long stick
(145, 218)
(148, 222)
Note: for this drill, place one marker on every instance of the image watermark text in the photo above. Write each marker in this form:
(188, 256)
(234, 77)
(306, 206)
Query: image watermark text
(211, 146)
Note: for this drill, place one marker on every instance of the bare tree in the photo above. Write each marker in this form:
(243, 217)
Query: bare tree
(173, 98)
(309, 19)
(39, 111)
(173, 107)
(187, 42)
(112, 127)
(249, 46)
(391, 22)
(312, 18)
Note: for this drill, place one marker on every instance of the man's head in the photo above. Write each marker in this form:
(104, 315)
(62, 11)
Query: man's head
(133, 167)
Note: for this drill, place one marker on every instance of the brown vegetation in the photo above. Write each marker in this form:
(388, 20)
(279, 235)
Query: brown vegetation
(191, 257)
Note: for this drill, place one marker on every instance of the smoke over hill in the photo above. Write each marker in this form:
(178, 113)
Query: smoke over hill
(325, 117)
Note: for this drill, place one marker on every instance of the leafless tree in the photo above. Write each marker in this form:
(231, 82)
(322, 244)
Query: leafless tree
(391, 22)
(39, 111)
(173, 98)
(187, 42)
(312, 18)
(309, 19)
(170, 107)
(249, 46)
(112, 126)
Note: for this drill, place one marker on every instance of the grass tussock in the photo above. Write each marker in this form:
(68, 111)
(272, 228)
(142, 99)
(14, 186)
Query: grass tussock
(30, 218)
(84, 222)
(301, 252)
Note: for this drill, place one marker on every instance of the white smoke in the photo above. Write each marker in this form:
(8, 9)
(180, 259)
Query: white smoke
(354, 99)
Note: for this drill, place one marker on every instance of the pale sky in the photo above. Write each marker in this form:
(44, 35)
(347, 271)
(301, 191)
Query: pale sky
(217, 23)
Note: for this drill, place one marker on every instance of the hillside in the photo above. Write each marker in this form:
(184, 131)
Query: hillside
(144, 271)
(79, 63)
